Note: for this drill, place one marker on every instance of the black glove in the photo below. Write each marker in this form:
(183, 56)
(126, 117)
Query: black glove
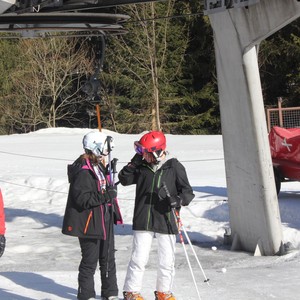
(2, 244)
(113, 165)
(137, 160)
(111, 193)
(174, 201)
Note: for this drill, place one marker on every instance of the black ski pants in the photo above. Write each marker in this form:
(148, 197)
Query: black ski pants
(92, 251)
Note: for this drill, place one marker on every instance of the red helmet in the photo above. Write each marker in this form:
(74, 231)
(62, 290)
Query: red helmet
(152, 141)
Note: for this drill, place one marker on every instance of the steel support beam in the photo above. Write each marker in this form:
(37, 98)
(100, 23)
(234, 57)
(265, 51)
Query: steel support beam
(253, 204)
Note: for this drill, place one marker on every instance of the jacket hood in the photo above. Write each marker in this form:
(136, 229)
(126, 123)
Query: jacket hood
(74, 168)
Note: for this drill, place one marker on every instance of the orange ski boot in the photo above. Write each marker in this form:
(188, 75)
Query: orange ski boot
(132, 296)
(164, 296)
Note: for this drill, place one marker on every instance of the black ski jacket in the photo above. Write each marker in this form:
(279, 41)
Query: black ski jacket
(86, 207)
(152, 211)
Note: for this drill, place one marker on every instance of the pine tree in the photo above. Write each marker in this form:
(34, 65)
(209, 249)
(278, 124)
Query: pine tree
(142, 67)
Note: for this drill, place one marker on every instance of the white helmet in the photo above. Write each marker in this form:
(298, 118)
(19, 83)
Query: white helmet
(98, 142)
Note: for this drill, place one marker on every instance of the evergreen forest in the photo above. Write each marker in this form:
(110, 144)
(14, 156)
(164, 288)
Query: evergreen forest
(160, 75)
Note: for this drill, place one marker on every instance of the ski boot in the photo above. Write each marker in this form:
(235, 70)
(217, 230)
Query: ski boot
(132, 296)
(164, 296)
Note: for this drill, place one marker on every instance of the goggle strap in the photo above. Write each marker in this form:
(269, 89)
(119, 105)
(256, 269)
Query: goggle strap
(158, 153)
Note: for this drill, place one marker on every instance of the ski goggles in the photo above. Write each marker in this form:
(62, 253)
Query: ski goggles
(106, 148)
(138, 148)
(141, 150)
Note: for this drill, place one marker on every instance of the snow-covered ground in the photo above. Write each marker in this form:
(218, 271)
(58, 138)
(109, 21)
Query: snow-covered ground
(41, 263)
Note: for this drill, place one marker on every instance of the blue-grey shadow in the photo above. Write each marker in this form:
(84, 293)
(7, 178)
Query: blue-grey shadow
(7, 295)
(196, 238)
(211, 190)
(219, 213)
(46, 219)
(289, 207)
(35, 282)
(289, 194)
(123, 229)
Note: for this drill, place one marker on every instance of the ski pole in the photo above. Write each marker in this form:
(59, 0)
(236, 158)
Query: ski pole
(109, 139)
(177, 220)
(185, 252)
(191, 245)
(186, 235)
(114, 169)
(111, 212)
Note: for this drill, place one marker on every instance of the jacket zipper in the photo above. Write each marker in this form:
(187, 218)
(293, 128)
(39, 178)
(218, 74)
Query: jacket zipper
(159, 179)
(88, 222)
(152, 189)
(158, 186)
(101, 206)
(103, 222)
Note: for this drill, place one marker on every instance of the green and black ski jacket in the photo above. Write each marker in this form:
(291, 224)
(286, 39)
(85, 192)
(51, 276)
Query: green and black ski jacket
(152, 211)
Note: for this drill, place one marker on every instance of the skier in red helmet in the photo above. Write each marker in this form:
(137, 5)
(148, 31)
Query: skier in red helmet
(149, 169)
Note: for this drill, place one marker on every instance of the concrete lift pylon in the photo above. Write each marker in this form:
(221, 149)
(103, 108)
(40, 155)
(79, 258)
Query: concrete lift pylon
(253, 205)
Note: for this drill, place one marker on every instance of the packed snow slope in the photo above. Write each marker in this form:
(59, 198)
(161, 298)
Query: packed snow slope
(40, 263)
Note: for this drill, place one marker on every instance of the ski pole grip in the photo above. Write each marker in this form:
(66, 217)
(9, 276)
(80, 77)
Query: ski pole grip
(109, 140)
(114, 165)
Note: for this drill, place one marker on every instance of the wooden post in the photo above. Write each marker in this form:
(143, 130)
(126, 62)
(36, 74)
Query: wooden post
(280, 112)
(98, 117)
(100, 128)
(268, 120)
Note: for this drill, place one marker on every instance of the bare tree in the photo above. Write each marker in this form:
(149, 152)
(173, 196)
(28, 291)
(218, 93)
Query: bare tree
(47, 87)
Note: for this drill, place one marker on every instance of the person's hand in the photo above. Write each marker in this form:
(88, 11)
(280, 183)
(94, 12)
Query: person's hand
(174, 201)
(2, 244)
(137, 160)
(111, 193)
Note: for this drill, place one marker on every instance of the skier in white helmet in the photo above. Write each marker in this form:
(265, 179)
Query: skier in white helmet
(90, 213)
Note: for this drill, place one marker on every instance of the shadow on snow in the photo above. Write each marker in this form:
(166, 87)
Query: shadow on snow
(36, 282)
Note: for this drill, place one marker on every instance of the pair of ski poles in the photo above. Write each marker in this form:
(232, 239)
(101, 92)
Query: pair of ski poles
(180, 226)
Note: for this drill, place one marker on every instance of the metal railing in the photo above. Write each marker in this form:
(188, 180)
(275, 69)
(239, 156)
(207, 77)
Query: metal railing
(288, 117)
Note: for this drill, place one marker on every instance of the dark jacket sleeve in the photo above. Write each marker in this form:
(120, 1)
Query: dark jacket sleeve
(185, 191)
(84, 191)
(128, 175)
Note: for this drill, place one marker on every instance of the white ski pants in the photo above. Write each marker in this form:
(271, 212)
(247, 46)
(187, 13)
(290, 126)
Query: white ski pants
(141, 247)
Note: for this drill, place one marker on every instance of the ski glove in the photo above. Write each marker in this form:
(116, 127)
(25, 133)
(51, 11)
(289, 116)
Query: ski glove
(175, 201)
(2, 244)
(111, 193)
(137, 160)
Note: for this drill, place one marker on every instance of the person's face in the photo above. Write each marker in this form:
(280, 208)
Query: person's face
(151, 158)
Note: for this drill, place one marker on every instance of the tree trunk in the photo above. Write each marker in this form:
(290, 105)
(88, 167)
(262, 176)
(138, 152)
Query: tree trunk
(154, 72)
